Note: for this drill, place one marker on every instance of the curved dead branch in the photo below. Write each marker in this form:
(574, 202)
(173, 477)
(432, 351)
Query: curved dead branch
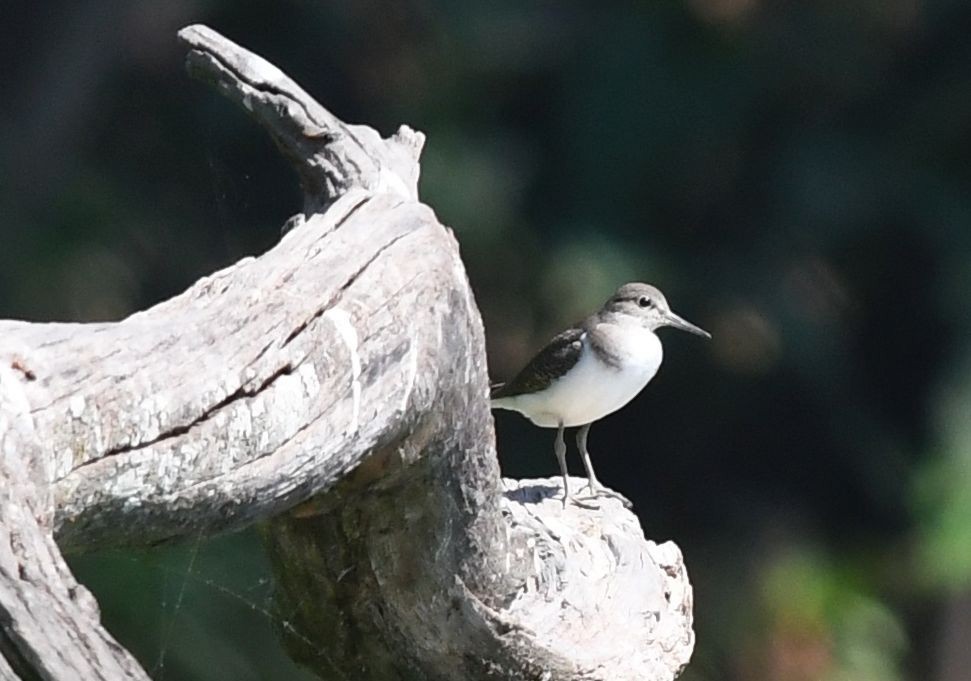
(334, 387)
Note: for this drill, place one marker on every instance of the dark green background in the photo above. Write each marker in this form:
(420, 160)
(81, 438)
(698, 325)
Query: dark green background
(796, 176)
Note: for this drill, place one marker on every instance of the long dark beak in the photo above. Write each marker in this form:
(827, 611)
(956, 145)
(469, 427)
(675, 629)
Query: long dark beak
(683, 324)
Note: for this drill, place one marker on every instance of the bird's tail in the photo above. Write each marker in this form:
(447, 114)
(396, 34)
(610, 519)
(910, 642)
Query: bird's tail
(497, 399)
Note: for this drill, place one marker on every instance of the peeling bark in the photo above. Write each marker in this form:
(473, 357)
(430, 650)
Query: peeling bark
(334, 387)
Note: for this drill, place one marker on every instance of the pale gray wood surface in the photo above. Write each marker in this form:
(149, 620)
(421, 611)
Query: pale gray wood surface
(342, 373)
(49, 625)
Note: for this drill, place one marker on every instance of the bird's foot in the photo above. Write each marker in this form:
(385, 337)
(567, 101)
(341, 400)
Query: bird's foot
(576, 501)
(596, 492)
(568, 498)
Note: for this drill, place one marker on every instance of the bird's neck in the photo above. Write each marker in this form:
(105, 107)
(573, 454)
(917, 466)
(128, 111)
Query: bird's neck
(621, 342)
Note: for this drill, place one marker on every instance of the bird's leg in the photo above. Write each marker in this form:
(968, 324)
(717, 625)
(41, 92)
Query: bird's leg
(559, 446)
(592, 483)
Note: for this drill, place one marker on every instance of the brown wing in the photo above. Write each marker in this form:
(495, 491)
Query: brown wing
(550, 363)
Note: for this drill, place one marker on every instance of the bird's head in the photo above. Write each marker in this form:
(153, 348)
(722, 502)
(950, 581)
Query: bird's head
(646, 306)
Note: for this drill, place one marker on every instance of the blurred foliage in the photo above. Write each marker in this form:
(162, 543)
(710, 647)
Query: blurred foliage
(821, 624)
(795, 177)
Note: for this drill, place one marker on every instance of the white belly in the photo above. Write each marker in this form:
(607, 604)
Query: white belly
(592, 389)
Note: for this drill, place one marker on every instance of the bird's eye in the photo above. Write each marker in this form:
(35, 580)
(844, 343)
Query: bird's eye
(644, 301)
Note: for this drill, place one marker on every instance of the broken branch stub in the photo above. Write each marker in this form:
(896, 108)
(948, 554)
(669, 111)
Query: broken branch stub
(330, 156)
(346, 368)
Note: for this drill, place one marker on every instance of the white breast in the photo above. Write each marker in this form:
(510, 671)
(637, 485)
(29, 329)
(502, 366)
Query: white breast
(592, 389)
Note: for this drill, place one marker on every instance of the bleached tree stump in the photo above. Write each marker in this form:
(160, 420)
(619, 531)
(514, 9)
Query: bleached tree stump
(336, 388)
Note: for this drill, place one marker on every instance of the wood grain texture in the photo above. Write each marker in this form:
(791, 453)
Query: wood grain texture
(49, 626)
(333, 390)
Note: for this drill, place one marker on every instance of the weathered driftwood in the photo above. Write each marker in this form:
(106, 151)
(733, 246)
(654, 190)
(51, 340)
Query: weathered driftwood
(341, 373)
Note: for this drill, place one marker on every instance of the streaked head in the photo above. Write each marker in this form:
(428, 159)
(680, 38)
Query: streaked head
(648, 306)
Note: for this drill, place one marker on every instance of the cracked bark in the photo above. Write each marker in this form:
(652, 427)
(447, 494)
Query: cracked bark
(334, 387)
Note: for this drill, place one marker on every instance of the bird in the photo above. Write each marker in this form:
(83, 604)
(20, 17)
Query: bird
(593, 369)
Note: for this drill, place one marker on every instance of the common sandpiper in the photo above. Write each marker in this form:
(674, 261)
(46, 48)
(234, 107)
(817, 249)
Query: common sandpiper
(593, 369)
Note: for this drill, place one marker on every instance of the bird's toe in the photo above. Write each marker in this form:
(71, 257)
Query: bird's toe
(601, 492)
